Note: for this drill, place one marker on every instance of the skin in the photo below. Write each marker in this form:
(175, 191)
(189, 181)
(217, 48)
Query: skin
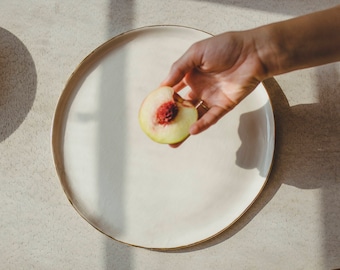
(224, 69)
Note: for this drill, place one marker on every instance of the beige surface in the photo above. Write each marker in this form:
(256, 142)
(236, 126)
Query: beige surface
(294, 224)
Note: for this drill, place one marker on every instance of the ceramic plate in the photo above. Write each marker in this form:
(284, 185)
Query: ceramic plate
(135, 190)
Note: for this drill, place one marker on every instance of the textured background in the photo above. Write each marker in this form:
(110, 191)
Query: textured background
(294, 224)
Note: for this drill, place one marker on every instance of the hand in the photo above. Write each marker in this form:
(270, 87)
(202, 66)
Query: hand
(221, 70)
(224, 69)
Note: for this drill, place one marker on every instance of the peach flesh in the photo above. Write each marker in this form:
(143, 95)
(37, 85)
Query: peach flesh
(165, 116)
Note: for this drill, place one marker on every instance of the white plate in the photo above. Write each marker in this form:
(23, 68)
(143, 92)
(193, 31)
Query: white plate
(133, 189)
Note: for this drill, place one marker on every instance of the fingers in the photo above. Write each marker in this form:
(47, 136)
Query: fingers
(207, 120)
(175, 145)
(175, 77)
(179, 86)
(188, 61)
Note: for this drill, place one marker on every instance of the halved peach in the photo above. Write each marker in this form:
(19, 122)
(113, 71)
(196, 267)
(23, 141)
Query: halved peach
(166, 117)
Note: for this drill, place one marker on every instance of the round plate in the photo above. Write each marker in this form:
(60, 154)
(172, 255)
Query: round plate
(135, 190)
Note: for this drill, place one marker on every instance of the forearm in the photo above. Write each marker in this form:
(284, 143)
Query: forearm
(302, 42)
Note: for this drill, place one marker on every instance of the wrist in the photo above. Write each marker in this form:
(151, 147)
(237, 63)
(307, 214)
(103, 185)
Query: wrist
(271, 50)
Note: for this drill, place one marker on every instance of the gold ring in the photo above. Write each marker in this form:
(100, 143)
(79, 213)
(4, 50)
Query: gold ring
(201, 108)
(202, 104)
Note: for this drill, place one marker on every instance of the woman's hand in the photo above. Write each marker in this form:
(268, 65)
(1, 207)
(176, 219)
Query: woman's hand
(221, 71)
(224, 69)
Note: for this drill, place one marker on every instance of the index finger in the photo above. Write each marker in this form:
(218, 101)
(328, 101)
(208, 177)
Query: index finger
(188, 61)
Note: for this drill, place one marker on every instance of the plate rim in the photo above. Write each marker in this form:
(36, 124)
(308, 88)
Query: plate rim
(57, 138)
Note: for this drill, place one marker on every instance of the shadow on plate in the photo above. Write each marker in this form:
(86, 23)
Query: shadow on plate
(18, 83)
